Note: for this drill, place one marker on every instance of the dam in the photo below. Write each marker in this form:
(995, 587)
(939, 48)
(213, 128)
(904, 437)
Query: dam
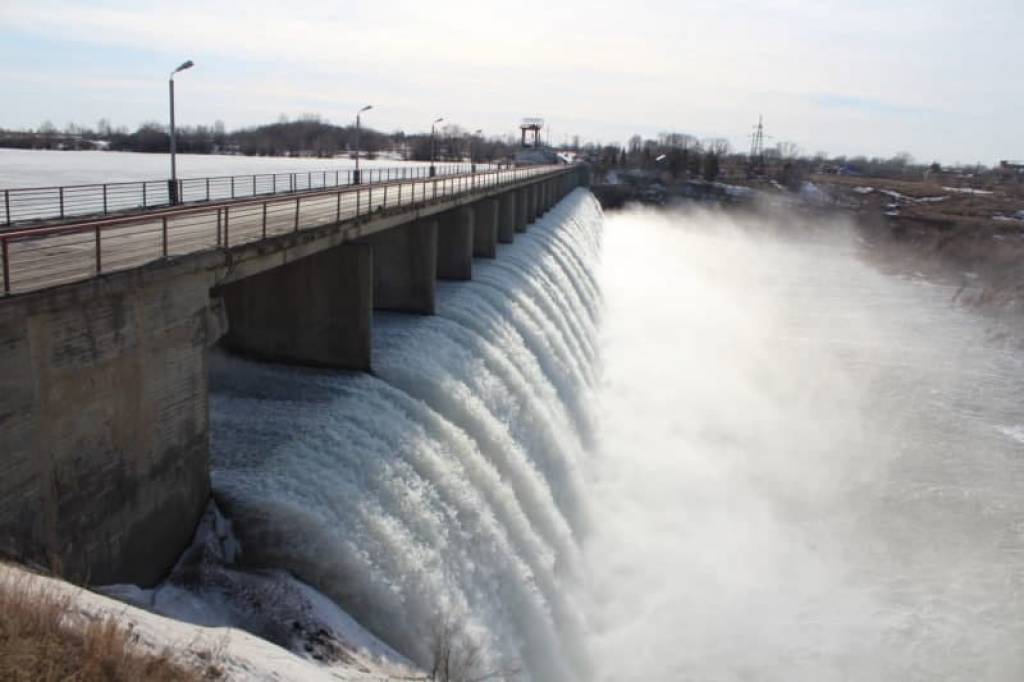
(106, 325)
(640, 445)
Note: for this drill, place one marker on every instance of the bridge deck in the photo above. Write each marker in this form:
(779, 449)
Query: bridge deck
(40, 258)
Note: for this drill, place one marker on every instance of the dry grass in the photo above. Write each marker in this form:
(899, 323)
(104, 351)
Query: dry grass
(959, 208)
(44, 637)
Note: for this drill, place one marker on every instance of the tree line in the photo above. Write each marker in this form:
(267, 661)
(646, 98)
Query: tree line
(679, 156)
(674, 154)
(309, 135)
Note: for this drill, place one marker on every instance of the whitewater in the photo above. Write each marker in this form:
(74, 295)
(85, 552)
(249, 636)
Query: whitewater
(648, 445)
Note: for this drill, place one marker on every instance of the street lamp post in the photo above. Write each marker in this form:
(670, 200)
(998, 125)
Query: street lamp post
(433, 145)
(172, 185)
(472, 157)
(355, 176)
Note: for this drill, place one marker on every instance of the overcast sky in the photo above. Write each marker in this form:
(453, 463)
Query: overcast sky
(937, 78)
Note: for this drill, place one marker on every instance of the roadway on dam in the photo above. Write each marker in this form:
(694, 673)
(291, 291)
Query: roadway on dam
(42, 257)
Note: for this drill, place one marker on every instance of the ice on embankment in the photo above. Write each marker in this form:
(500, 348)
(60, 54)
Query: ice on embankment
(284, 629)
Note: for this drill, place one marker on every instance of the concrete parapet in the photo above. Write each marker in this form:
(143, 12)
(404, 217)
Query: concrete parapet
(485, 228)
(314, 311)
(104, 426)
(507, 218)
(455, 244)
(405, 267)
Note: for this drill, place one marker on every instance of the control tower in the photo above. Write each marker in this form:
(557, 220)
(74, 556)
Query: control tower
(531, 125)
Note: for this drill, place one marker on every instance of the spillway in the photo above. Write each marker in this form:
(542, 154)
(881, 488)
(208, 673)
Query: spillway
(656, 446)
(447, 488)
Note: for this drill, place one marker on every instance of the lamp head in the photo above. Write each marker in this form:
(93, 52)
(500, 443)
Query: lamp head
(366, 108)
(186, 65)
(439, 120)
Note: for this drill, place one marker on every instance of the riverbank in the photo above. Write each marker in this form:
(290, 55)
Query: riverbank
(54, 630)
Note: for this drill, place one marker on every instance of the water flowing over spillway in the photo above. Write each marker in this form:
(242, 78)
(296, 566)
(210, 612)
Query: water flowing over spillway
(446, 488)
(656, 446)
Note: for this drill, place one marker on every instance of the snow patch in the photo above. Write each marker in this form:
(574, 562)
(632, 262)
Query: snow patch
(207, 588)
(966, 190)
(1014, 432)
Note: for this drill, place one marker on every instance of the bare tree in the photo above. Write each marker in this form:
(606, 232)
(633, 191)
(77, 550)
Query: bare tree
(787, 150)
(719, 146)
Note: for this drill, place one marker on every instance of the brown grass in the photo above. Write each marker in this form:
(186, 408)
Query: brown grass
(963, 209)
(45, 637)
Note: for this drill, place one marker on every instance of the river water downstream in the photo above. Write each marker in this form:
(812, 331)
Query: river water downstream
(656, 446)
(806, 469)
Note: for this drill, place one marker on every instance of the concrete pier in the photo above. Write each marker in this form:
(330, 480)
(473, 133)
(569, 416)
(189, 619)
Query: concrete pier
(314, 311)
(104, 428)
(455, 244)
(507, 218)
(522, 198)
(485, 228)
(405, 267)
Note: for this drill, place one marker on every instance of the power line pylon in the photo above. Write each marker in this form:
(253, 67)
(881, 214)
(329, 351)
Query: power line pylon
(756, 162)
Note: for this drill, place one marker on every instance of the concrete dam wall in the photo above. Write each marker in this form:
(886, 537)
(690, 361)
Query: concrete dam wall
(104, 419)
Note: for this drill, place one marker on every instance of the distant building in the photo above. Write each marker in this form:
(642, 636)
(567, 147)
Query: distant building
(536, 156)
(1011, 169)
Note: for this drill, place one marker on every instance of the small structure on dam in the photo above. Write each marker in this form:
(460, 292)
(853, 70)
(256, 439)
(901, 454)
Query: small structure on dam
(104, 415)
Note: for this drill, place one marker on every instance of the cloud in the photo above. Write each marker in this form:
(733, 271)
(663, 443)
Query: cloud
(598, 69)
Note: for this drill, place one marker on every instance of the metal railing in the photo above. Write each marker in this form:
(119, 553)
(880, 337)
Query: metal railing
(41, 257)
(22, 205)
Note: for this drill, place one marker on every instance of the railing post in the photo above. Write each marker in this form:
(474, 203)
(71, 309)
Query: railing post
(218, 227)
(337, 210)
(104, 198)
(7, 209)
(164, 230)
(207, 189)
(358, 192)
(385, 196)
(143, 194)
(232, 186)
(254, 184)
(274, 176)
(369, 199)
(61, 192)
(227, 237)
(297, 200)
(7, 268)
(99, 262)
(264, 220)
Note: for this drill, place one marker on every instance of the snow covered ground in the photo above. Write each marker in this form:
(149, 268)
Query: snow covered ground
(261, 624)
(49, 168)
(238, 654)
